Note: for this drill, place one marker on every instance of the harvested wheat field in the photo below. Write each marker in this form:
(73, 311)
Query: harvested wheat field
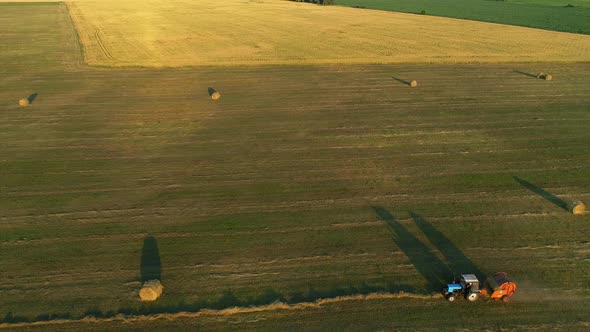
(160, 33)
(309, 197)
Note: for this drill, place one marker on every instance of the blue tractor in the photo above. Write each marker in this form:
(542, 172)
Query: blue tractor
(467, 287)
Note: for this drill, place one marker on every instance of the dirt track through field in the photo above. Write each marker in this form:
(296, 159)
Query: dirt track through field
(129, 319)
(226, 312)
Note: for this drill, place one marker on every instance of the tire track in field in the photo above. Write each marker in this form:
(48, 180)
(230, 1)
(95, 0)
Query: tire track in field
(305, 177)
(78, 18)
(324, 133)
(105, 50)
(195, 235)
(333, 227)
(98, 216)
(105, 214)
(232, 266)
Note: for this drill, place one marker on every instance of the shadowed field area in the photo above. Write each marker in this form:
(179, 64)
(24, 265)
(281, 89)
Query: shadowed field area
(295, 185)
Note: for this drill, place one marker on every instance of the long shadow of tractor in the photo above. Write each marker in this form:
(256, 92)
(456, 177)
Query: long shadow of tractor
(434, 270)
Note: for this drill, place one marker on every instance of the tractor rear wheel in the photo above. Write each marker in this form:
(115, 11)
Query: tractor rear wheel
(472, 296)
(505, 298)
(451, 297)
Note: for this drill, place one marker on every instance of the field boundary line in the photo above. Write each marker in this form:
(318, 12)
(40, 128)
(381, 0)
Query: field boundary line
(228, 311)
(72, 11)
(81, 57)
(333, 227)
(76, 17)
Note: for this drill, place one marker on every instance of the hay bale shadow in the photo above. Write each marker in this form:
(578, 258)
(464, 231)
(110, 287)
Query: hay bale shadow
(408, 83)
(151, 265)
(525, 73)
(211, 91)
(545, 194)
(32, 97)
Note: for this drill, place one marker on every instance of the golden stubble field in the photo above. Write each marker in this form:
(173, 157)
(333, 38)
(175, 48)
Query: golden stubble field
(159, 33)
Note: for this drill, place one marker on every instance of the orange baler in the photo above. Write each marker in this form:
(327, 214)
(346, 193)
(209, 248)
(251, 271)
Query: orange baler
(499, 287)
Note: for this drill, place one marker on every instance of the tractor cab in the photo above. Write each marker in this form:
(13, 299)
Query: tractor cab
(467, 286)
(469, 282)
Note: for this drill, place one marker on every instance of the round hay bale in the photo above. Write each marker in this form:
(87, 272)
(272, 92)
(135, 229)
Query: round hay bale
(413, 83)
(23, 102)
(577, 207)
(151, 290)
(543, 76)
(215, 95)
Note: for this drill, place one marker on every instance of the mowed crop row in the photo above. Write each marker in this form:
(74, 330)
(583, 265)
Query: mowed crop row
(156, 33)
(300, 182)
